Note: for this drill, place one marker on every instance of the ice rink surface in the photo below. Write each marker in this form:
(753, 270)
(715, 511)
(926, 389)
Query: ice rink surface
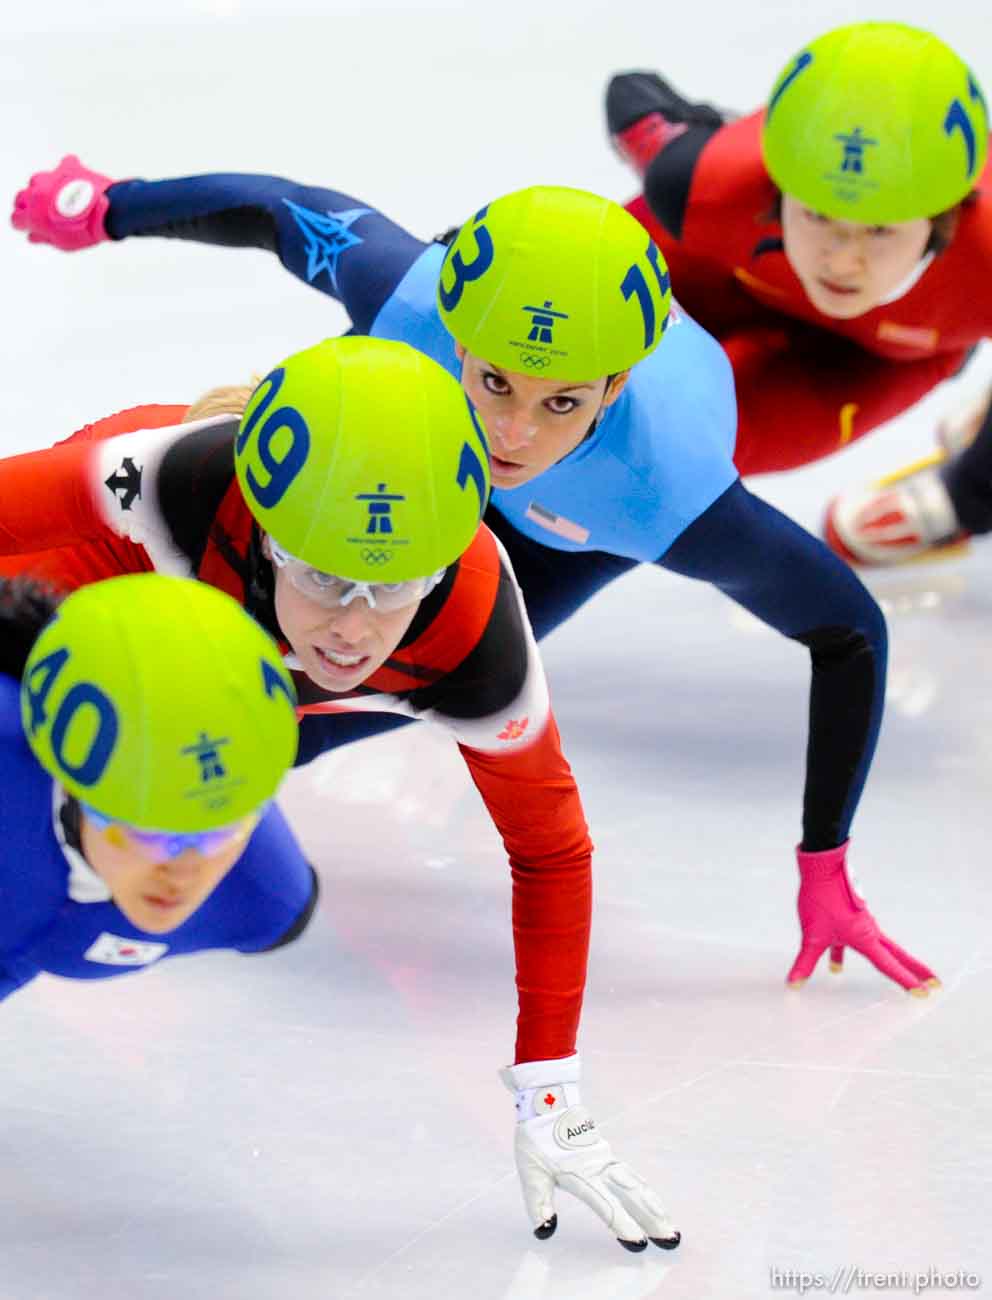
(327, 1122)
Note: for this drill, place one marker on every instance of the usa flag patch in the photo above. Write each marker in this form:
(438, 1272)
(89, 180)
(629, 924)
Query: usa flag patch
(557, 524)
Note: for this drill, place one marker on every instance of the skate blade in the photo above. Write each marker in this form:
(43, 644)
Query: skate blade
(925, 462)
(938, 554)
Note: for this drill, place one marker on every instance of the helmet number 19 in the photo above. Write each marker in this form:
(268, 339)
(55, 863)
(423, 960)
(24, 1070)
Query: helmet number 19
(280, 469)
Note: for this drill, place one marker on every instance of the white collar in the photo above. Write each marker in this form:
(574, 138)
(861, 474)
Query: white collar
(904, 286)
(85, 886)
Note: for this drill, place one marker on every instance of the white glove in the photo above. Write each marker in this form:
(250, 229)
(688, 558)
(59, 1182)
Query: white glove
(558, 1144)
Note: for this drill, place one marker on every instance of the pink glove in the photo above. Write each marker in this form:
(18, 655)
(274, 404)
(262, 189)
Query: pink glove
(832, 915)
(65, 207)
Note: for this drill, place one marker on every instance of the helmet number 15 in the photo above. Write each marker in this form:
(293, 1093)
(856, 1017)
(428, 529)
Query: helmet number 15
(957, 119)
(634, 283)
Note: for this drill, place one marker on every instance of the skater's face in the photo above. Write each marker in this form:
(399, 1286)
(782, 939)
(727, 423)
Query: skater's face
(846, 267)
(532, 423)
(338, 647)
(159, 895)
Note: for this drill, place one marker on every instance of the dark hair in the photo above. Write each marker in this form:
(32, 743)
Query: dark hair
(942, 226)
(25, 607)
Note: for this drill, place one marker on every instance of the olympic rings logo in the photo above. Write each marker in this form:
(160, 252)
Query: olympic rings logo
(535, 363)
(376, 557)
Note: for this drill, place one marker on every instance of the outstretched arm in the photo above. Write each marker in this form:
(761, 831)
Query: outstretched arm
(791, 581)
(534, 803)
(330, 240)
(532, 797)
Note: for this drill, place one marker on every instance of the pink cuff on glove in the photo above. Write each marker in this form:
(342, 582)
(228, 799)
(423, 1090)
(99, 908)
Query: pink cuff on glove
(824, 863)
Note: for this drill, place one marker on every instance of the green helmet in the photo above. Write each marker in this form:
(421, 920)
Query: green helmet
(365, 459)
(159, 702)
(876, 123)
(555, 283)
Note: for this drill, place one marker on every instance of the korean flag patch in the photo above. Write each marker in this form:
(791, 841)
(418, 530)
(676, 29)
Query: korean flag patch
(112, 950)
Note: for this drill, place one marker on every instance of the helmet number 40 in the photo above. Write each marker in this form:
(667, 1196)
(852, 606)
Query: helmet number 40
(93, 763)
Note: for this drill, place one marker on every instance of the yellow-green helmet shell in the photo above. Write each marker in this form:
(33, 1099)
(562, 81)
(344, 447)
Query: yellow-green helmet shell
(876, 123)
(159, 702)
(555, 283)
(364, 458)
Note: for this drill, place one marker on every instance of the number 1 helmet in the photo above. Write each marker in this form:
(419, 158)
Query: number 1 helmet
(555, 283)
(877, 123)
(364, 458)
(160, 703)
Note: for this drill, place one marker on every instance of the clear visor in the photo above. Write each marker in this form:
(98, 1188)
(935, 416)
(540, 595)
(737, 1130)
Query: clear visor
(329, 590)
(160, 846)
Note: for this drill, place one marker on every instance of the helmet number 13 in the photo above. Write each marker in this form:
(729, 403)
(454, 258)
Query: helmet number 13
(465, 271)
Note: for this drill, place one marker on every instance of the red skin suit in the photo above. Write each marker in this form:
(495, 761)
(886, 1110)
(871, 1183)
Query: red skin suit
(808, 384)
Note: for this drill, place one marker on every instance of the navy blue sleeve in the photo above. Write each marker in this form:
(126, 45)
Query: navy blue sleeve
(320, 732)
(332, 241)
(791, 581)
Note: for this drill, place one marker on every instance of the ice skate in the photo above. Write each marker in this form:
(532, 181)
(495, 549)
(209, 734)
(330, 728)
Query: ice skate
(905, 517)
(644, 114)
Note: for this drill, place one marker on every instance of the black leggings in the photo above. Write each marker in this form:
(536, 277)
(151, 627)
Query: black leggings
(968, 479)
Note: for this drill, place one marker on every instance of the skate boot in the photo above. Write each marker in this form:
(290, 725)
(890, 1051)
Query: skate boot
(960, 429)
(644, 114)
(905, 517)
